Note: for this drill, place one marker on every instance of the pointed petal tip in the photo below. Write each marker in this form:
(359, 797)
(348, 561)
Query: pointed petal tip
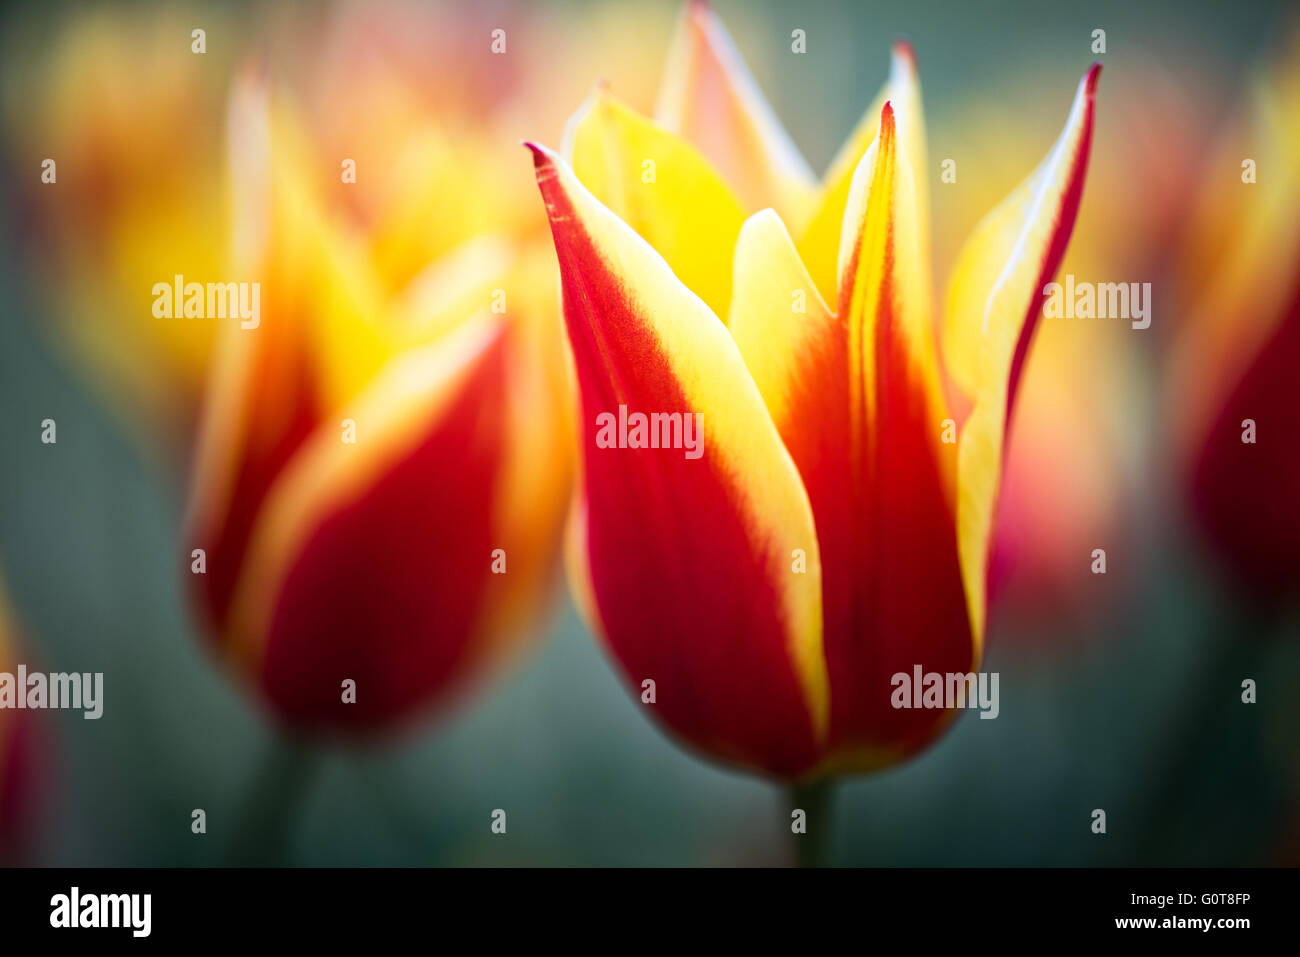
(544, 167)
(1090, 79)
(904, 52)
(542, 157)
(255, 69)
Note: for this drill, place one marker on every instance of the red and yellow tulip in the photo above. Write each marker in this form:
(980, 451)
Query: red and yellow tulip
(408, 90)
(828, 537)
(125, 110)
(1232, 380)
(383, 462)
(19, 767)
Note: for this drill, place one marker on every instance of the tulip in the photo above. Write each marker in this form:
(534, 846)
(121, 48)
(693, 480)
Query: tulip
(20, 773)
(131, 116)
(381, 473)
(1232, 375)
(121, 107)
(760, 598)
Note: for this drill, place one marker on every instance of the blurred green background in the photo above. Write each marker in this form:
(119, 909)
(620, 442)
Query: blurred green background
(1132, 706)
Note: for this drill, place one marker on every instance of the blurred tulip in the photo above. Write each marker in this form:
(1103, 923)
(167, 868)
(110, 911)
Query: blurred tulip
(1234, 406)
(762, 596)
(123, 108)
(411, 92)
(370, 291)
(19, 762)
(383, 463)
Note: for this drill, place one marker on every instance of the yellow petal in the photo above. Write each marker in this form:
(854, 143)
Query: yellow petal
(994, 300)
(663, 188)
(316, 286)
(884, 275)
(819, 242)
(780, 322)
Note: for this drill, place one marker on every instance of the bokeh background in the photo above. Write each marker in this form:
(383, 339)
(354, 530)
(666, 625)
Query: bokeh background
(1119, 691)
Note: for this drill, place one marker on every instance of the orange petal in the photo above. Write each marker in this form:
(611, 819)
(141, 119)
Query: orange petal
(709, 96)
(688, 561)
(994, 300)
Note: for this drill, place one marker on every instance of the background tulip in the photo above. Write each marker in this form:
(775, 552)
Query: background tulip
(381, 472)
(125, 111)
(134, 119)
(1233, 407)
(21, 766)
(828, 540)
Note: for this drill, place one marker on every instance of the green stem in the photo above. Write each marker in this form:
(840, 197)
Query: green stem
(816, 799)
(264, 823)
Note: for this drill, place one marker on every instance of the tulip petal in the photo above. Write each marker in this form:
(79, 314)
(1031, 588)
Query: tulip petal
(663, 188)
(1237, 344)
(857, 401)
(536, 480)
(369, 560)
(269, 385)
(1235, 237)
(994, 300)
(790, 339)
(819, 241)
(885, 510)
(329, 348)
(688, 561)
(709, 96)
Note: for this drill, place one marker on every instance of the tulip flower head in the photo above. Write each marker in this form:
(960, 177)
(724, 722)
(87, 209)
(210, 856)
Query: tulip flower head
(119, 110)
(22, 774)
(834, 532)
(1232, 386)
(382, 472)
